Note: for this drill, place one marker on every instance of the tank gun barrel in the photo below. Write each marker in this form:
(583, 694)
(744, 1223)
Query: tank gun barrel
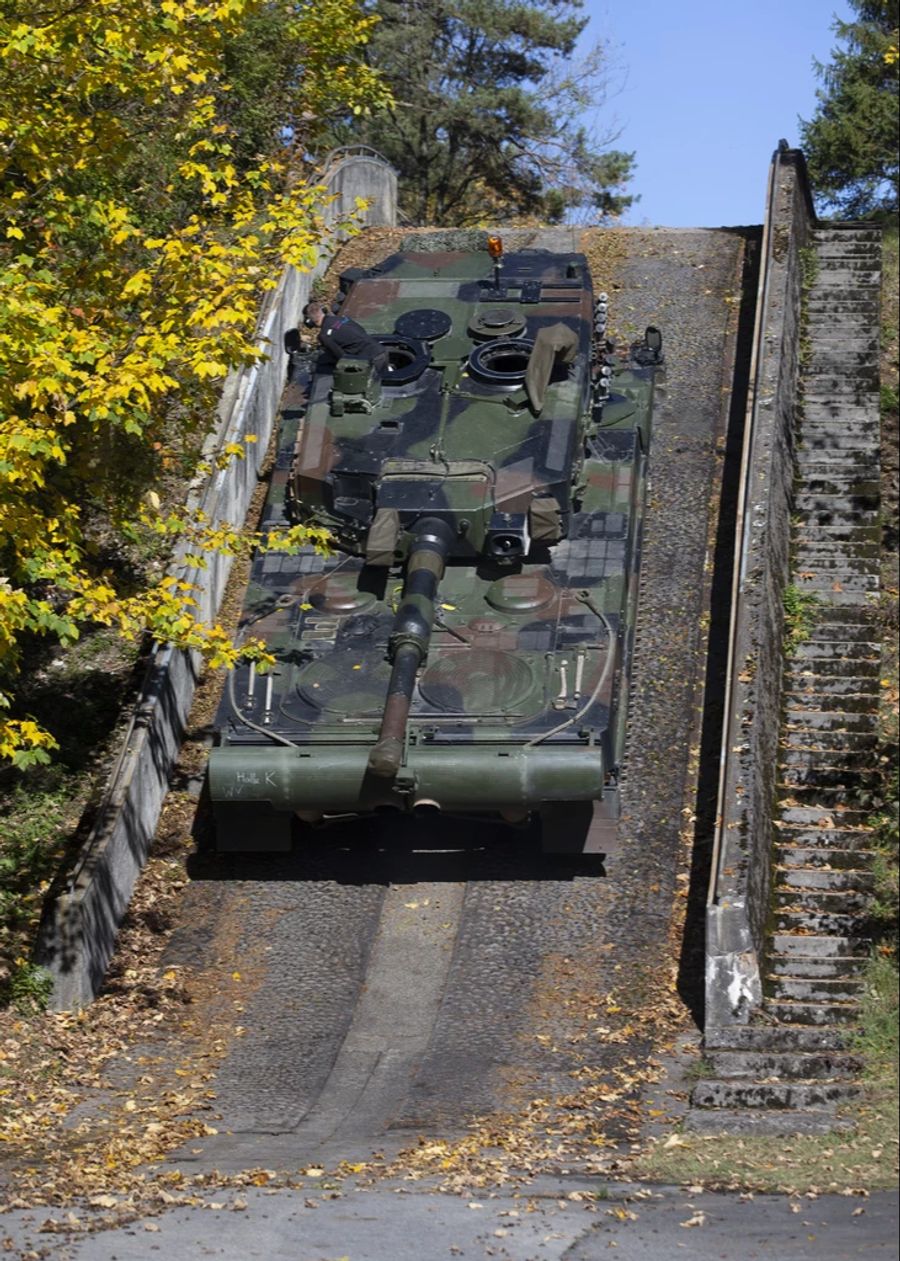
(410, 637)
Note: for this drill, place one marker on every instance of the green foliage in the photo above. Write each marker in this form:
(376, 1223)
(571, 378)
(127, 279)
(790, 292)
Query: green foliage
(852, 141)
(890, 307)
(799, 617)
(29, 988)
(489, 112)
(45, 812)
(886, 842)
(32, 826)
(809, 267)
(877, 1036)
(148, 205)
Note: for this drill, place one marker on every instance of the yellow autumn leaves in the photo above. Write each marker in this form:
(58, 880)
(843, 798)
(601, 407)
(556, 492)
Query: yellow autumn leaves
(137, 244)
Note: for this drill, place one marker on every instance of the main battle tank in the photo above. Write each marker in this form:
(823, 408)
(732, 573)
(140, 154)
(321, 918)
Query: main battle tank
(466, 645)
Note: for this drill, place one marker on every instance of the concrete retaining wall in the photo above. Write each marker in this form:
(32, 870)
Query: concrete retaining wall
(359, 172)
(739, 896)
(82, 913)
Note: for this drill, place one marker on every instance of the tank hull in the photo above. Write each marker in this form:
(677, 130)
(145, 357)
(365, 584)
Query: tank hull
(518, 704)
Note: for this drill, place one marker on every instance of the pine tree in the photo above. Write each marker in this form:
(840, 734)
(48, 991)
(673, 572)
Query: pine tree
(852, 141)
(490, 109)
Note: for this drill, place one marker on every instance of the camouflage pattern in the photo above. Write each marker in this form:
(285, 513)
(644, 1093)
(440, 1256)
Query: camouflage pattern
(501, 464)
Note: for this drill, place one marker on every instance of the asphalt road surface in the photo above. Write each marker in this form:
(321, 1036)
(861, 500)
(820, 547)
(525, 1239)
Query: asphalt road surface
(408, 978)
(544, 1222)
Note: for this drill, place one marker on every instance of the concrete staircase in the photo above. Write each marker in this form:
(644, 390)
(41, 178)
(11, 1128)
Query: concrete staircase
(790, 1068)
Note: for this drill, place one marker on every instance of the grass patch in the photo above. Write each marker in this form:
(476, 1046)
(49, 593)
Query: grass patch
(861, 1159)
(877, 1037)
(800, 609)
(886, 843)
(864, 1159)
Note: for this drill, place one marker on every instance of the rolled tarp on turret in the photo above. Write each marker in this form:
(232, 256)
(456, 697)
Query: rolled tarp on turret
(553, 345)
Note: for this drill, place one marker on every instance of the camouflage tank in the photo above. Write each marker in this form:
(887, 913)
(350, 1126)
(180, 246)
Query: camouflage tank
(466, 645)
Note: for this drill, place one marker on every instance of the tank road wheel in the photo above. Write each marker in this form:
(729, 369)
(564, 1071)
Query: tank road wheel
(577, 827)
(251, 827)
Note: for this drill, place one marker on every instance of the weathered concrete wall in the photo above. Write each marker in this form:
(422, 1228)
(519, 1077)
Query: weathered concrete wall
(358, 172)
(83, 912)
(739, 898)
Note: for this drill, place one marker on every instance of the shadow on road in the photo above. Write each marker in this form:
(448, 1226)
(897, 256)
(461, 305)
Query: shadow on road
(390, 849)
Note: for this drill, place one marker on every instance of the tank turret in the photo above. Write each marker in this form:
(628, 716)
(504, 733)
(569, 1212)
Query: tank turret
(459, 424)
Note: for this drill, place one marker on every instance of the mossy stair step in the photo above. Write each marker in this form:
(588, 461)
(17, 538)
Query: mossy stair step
(818, 774)
(820, 923)
(833, 562)
(808, 740)
(808, 719)
(856, 662)
(774, 1038)
(799, 945)
(856, 696)
(822, 902)
(807, 858)
(820, 816)
(795, 1012)
(824, 879)
(826, 837)
(844, 758)
(842, 795)
(772, 1094)
(827, 992)
(807, 968)
(793, 1065)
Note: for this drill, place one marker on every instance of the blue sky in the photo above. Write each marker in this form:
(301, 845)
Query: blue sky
(709, 87)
